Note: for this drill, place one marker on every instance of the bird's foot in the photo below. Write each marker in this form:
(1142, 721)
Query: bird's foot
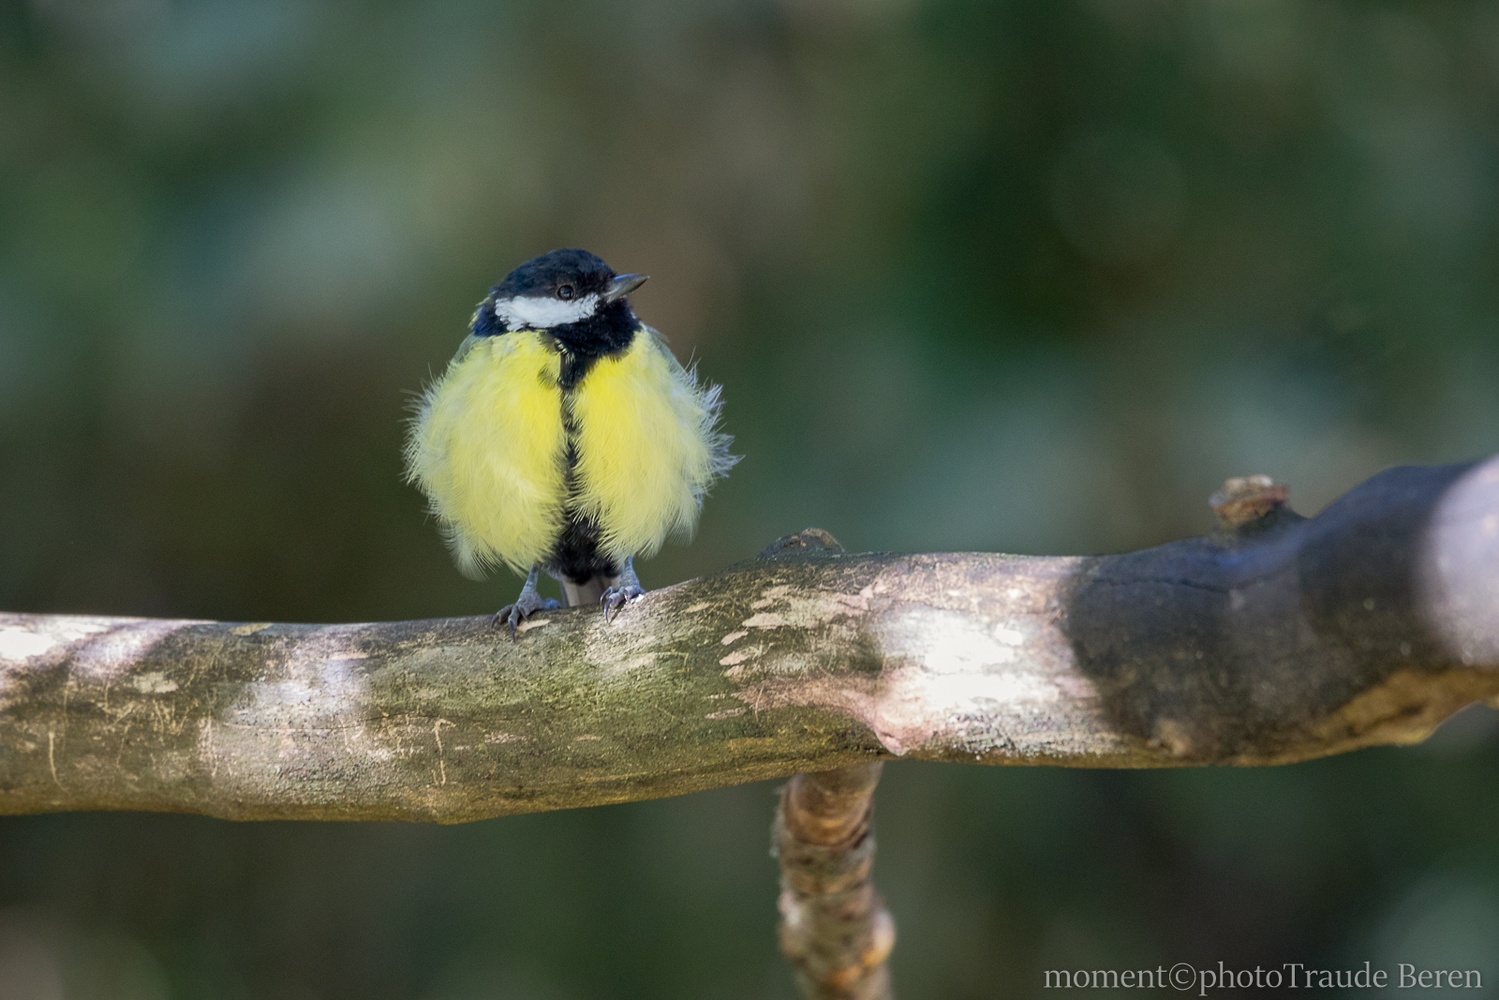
(617, 597)
(524, 607)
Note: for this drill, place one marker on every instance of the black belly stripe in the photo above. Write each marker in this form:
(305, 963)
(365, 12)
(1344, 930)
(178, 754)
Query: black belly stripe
(574, 367)
(576, 554)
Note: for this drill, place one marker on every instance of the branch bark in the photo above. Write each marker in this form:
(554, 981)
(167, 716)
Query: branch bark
(835, 929)
(1274, 640)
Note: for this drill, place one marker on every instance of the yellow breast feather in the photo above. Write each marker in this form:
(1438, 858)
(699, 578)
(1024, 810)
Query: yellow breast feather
(488, 448)
(647, 446)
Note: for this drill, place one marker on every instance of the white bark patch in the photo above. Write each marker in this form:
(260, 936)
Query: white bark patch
(1455, 567)
(309, 715)
(1009, 636)
(250, 628)
(946, 642)
(100, 648)
(206, 748)
(23, 644)
(53, 631)
(442, 765)
(733, 637)
(52, 755)
(153, 682)
(739, 656)
(947, 667)
(804, 609)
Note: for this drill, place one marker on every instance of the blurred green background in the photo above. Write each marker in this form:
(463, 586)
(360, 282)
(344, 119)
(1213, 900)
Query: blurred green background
(986, 275)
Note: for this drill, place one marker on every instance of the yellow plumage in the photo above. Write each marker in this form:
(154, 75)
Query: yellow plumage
(489, 448)
(646, 447)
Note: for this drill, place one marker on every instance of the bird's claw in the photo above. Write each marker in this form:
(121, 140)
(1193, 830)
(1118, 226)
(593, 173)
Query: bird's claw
(615, 598)
(526, 606)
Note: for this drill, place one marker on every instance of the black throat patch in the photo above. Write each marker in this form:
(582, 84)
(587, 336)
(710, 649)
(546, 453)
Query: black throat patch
(611, 330)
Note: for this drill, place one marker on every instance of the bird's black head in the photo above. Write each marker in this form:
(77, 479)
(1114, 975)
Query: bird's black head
(572, 295)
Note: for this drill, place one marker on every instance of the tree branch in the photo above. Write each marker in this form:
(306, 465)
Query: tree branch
(835, 929)
(1275, 640)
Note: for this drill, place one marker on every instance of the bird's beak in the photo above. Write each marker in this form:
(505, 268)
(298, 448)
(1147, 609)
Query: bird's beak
(623, 284)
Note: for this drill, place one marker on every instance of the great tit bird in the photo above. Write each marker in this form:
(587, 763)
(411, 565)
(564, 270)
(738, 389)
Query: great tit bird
(565, 436)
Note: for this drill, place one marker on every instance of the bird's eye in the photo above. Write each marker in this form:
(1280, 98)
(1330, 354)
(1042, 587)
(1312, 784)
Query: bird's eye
(566, 292)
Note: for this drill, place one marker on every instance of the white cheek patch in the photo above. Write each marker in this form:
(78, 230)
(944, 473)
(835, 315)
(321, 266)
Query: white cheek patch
(540, 312)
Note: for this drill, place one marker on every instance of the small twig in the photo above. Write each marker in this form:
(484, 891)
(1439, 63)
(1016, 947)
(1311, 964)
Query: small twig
(835, 929)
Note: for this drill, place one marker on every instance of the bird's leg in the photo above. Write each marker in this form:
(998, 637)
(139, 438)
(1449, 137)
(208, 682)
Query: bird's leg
(626, 588)
(529, 602)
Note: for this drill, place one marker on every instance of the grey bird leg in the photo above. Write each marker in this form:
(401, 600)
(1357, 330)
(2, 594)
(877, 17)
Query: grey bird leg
(529, 602)
(626, 588)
